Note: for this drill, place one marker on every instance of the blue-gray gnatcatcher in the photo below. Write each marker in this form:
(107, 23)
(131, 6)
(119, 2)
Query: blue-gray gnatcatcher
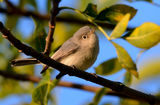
(80, 50)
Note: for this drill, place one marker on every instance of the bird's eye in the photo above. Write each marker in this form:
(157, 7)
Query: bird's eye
(84, 37)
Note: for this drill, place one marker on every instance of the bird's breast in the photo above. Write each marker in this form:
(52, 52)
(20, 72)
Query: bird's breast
(82, 59)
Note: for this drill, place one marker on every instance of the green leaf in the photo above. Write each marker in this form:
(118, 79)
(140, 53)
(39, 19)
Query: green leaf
(108, 67)
(120, 27)
(40, 94)
(37, 40)
(127, 78)
(115, 13)
(125, 60)
(98, 96)
(145, 36)
(11, 21)
(91, 10)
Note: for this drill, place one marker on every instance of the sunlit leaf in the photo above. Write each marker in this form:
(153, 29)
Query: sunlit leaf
(145, 36)
(40, 94)
(144, 29)
(125, 60)
(120, 27)
(115, 13)
(91, 10)
(108, 67)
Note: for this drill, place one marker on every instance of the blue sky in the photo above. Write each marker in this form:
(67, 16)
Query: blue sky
(68, 96)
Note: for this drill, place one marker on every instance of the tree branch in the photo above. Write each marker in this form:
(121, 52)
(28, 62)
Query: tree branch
(116, 86)
(68, 19)
(52, 23)
(34, 79)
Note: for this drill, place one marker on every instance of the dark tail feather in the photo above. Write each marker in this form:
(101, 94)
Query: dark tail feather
(22, 62)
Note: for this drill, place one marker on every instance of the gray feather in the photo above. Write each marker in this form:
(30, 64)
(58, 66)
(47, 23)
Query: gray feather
(22, 62)
(65, 50)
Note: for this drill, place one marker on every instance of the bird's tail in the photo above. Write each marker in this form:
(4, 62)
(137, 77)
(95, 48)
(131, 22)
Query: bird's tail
(22, 62)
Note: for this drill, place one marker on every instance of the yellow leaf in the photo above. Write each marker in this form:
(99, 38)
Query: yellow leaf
(145, 36)
(120, 27)
(125, 60)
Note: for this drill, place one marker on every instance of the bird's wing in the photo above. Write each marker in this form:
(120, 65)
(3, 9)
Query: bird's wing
(66, 49)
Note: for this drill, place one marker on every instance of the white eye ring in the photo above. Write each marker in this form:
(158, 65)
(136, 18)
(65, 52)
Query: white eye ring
(84, 36)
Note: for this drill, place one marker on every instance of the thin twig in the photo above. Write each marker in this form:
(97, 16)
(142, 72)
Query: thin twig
(115, 86)
(52, 23)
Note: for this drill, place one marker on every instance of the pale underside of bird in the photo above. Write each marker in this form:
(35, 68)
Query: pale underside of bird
(80, 51)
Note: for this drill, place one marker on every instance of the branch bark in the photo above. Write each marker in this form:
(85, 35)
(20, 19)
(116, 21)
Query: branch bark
(115, 86)
(34, 79)
(67, 19)
(52, 23)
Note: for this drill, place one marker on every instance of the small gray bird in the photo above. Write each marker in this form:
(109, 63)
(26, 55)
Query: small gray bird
(80, 51)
